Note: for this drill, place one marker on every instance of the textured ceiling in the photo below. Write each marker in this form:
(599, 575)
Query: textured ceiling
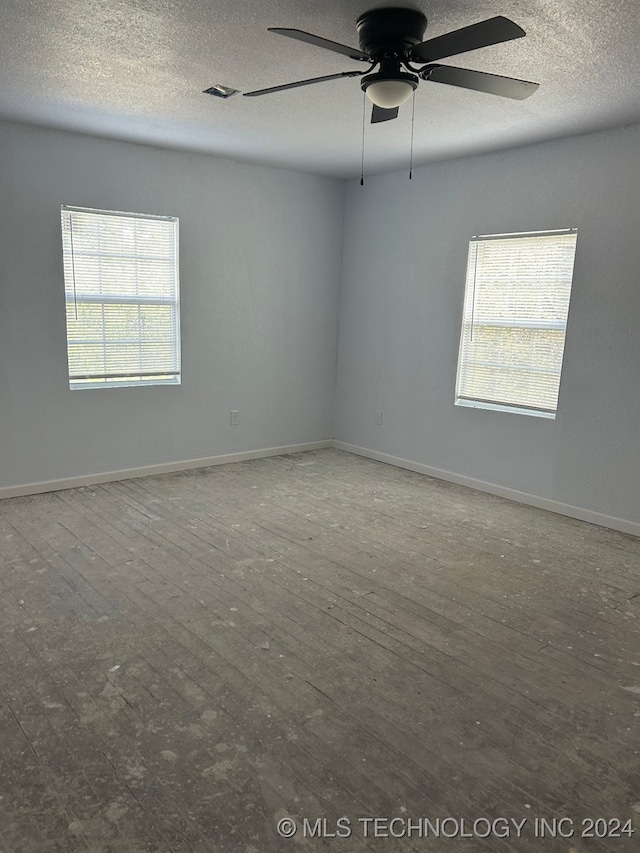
(135, 70)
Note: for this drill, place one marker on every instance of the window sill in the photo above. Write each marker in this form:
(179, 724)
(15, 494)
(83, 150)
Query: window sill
(497, 407)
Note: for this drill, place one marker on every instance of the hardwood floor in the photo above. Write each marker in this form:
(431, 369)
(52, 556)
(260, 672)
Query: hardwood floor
(189, 658)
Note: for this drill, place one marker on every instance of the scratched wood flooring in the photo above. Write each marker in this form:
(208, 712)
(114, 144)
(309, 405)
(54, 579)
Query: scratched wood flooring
(189, 658)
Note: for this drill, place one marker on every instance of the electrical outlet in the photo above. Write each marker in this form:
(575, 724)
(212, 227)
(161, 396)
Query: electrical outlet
(378, 418)
(233, 417)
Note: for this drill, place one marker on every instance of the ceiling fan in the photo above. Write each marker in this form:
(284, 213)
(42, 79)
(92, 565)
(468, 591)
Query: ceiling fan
(391, 43)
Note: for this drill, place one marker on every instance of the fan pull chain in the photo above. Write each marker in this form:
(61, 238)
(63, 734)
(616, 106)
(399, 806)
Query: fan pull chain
(413, 118)
(364, 111)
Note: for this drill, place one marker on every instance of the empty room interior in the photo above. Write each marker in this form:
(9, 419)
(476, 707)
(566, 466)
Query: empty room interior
(319, 426)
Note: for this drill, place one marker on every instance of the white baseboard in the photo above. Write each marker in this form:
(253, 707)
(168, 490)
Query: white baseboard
(592, 517)
(621, 524)
(148, 470)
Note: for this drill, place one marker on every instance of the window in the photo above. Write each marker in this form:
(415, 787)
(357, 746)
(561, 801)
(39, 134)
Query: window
(514, 321)
(122, 298)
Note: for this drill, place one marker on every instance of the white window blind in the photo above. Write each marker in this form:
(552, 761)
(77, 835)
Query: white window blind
(515, 315)
(122, 298)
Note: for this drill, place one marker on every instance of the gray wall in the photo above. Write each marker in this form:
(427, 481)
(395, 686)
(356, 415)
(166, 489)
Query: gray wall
(401, 305)
(260, 255)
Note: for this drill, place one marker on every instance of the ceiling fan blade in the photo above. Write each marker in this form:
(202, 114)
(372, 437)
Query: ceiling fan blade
(379, 114)
(318, 41)
(302, 83)
(483, 34)
(507, 87)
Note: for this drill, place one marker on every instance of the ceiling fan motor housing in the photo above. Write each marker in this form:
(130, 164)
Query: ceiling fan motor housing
(390, 31)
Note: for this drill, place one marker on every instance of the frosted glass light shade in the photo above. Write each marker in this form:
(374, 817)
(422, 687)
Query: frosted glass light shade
(389, 93)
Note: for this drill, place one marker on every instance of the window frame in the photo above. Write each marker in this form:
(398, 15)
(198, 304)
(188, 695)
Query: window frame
(491, 405)
(71, 297)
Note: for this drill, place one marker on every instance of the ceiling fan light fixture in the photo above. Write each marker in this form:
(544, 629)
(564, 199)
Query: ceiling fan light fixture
(389, 93)
(389, 89)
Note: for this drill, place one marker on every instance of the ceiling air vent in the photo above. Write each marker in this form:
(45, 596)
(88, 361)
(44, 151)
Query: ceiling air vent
(221, 91)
